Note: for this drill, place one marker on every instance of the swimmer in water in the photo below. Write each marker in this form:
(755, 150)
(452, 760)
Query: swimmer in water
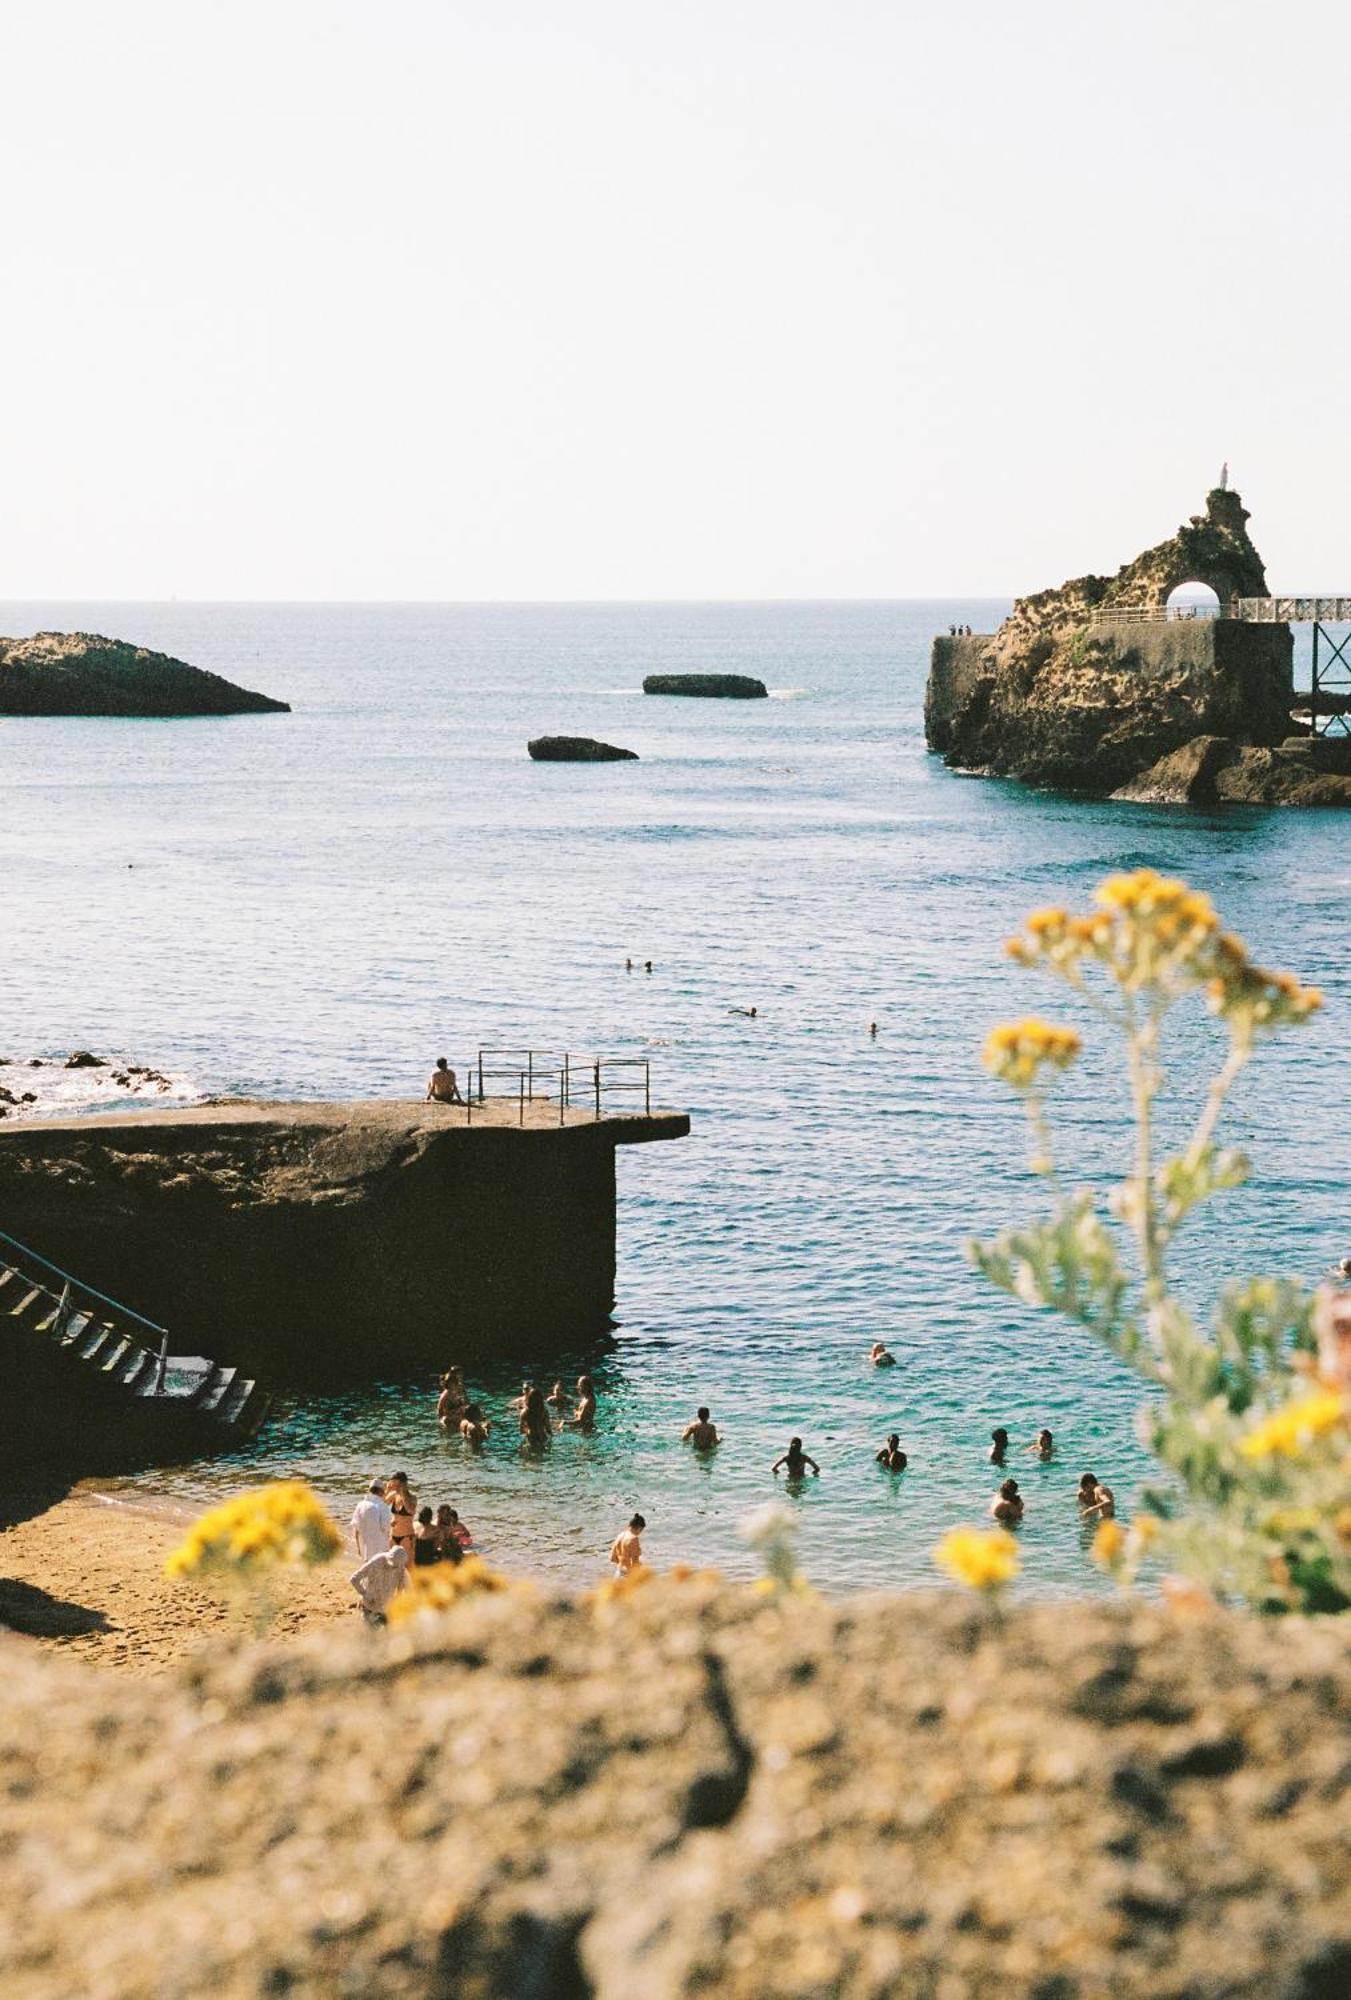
(558, 1397)
(999, 1448)
(474, 1426)
(750, 1013)
(881, 1355)
(702, 1433)
(1007, 1505)
(518, 1403)
(450, 1404)
(891, 1456)
(1043, 1444)
(626, 1550)
(1096, 1501)
(795, 1461)
(583, 1417)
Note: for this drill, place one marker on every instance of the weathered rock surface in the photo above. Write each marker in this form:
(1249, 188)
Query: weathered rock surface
(326, 1241)
(727, 687)
(1056, 700)
(82, 673)
(1213, 770)
(576, 750)
(693, 1792)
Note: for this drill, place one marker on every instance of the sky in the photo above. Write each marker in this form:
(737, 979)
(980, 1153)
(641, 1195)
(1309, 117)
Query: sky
(313, 299)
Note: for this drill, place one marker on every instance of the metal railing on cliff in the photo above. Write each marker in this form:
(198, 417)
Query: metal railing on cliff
(586, 1083)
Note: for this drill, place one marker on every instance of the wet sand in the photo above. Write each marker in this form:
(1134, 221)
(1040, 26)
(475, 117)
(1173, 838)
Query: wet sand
(85, 1580)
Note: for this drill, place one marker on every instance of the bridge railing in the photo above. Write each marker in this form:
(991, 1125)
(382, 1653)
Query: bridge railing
(1293, 610)
(1154, 614)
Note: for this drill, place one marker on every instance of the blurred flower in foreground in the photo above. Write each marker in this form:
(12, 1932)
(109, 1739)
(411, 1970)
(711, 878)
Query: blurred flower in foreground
(981, 1558)
(272, 1526)
(441, 1585)
(1018, 1050)
(772, 1531)
(1291, 1429)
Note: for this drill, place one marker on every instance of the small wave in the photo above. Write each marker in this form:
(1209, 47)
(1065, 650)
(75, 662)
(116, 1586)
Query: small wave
(43, 1087)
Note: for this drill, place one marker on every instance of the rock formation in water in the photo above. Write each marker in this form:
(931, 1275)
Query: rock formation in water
(1214, 770)
(725, 687)
(1060, 698)
(81, 673)
(690, 1792)
(577, 750)
(331, 1241)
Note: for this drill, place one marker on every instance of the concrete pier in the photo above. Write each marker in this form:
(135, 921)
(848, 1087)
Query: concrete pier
(335, 1241)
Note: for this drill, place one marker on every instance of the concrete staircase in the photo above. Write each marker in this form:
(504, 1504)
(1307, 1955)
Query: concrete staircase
(122, 1359)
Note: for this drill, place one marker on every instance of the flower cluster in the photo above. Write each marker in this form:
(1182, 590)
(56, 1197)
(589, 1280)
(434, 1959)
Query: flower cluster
(439, 1586)
(1018, 1051)
(1120, 1550)
(981, 1558)
(1152, 931)
(283, 1523)
(1290, 1430)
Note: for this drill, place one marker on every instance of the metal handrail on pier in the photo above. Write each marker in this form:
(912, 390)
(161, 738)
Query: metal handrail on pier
(554, 1076)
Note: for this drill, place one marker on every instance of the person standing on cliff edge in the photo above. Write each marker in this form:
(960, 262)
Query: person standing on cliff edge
(441, 1085)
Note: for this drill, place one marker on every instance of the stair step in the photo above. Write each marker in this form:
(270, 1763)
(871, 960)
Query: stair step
(207, 1387)
(106, 1339)
(111, 1358)
(77, 1326)
(137, 1368)
(217, 1393)
(31, 1307)
(232, 1406)
(91, 1335)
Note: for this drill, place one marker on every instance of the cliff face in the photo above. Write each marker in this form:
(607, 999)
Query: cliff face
(1055, 699)
(330, 1241)
(82, 673)
(692, 1792)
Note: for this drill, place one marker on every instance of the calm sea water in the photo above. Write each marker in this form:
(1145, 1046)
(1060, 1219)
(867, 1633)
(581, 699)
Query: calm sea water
(318, 904)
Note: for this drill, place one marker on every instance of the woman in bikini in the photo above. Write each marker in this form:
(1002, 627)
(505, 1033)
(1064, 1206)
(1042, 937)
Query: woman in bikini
(536, 1429)
(403, 1506)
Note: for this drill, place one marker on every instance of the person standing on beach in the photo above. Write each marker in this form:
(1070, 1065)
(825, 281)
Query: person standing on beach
(441, 1085)
(702, 1433)
(626, 1550)
(370, 1522)
(378, 1581)
(403, 1506)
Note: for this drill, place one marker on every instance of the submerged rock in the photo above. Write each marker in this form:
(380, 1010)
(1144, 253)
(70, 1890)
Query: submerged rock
(727, 687)
(577, 750)
(691, 1791)
(1093, 704)
(82, 1059)
(82, 673)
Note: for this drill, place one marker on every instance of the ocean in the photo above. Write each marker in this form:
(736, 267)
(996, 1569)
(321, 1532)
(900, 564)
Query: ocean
(317, 905)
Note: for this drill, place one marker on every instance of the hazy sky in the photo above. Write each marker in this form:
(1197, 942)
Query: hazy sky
(715, 298)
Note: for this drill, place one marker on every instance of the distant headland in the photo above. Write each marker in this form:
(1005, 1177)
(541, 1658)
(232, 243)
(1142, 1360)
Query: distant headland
(83, 673)
(1107, 688)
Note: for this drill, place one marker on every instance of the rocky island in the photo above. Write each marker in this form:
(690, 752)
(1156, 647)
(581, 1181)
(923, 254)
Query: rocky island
(83, 673)
(1098, 688)
(722, 687)
(577, 750)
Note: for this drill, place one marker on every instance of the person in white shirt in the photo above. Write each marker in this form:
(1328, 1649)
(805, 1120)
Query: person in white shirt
(371, 1522)
(379, 1581)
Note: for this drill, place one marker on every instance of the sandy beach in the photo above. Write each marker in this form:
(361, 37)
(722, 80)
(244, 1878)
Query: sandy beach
(85, 1579)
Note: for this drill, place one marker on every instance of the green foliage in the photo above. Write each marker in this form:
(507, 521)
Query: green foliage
(1250, 1417)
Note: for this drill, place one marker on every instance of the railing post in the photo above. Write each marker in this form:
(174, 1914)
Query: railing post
(163, 1365)
(597, 1078)
(480, 1076)
(521, 1081)
(647, 1089)
(562, 1096)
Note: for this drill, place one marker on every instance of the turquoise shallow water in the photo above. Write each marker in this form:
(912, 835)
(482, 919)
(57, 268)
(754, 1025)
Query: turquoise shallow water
(317, 904)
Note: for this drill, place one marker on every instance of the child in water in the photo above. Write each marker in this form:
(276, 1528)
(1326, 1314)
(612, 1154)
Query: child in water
(626, 1550)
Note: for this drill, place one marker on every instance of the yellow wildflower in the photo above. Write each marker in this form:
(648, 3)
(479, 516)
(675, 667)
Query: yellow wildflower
(981, 1558)
(1017, 1050)
(1145, 1528)
(1109, 1543)
(280, 1523)
(1288, 1431)
(439, 1586)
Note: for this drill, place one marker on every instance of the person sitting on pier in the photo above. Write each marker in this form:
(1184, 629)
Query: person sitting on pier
(536, 1428)
(378, 1581)
(795, 1461)
(474, 1426)
(891, 1456)
(442, 1087)
(1007, 1505)
(702, 1433)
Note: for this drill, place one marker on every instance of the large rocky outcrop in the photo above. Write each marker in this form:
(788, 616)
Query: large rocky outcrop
(332, 1241)
(724, 687)
(82, 673)
(1056, 697)
(692, 1792)
(1214, 770)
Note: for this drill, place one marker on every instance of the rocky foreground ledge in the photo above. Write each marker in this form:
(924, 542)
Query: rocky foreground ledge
(693, 1791)
(82, 673)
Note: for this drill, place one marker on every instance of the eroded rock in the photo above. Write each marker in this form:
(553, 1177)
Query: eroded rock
(83, 673)
(692, 1792)
(577, 750)
(725, 687)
